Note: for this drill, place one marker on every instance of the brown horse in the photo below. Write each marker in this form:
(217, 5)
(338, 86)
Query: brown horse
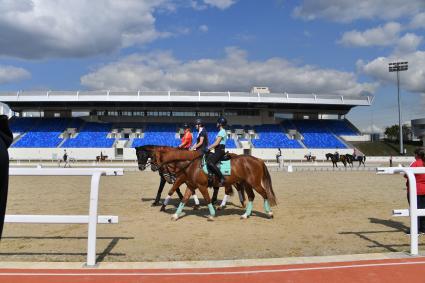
(171, 178)
(244, 170)
(144, 153)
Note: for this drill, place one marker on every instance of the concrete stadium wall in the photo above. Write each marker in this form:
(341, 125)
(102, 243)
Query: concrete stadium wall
(130, 154)
(362, 138)
(57, 153)
(297, 153)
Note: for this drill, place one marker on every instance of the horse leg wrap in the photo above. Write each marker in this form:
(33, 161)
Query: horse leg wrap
(248, 210)
(167, 200)
(180, 209)
(224, 201)
(195, 198)
(211, 208)
(267, 207)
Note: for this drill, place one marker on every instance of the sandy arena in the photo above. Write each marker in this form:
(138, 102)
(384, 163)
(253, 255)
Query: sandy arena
(319, 213)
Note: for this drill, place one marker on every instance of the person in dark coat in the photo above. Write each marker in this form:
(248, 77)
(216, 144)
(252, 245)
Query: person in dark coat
(6, 139)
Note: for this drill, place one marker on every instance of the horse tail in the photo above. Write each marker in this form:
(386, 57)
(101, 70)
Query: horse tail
(267, 183)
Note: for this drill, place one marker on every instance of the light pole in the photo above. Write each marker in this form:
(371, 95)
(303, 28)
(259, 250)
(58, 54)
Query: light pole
(398, 67)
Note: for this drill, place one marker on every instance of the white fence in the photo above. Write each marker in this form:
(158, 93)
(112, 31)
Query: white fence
(413, 210)
(91, 219)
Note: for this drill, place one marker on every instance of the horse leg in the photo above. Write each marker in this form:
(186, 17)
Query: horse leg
(179, 210)
(260, 189)
(206, 195)
(250, 204)
(227, 192)
(215, 194)
(179, 193)
(158, 194)
(196, 200)
(175, 186)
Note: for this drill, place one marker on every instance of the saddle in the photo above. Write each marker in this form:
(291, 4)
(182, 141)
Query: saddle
(224, 165)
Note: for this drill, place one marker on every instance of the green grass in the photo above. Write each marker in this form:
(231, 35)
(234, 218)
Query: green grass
(385, 148)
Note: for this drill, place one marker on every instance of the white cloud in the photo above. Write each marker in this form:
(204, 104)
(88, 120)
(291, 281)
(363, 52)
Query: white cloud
(221, 4)
(234, 72)
(372, 129)
(408, 43)
(418, 21)
(203, 28)
(9, 74)
(348, 10)
(412, 80)
(379, 36)
(77, 28)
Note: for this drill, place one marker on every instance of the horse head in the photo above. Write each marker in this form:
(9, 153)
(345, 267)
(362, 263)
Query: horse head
(143, 154)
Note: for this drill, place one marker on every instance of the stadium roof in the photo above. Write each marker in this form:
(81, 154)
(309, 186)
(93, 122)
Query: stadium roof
(21, 98)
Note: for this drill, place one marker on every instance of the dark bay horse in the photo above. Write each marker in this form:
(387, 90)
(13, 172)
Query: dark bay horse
(144, 153)
(335, 159)
(360, 158)
(244, 170)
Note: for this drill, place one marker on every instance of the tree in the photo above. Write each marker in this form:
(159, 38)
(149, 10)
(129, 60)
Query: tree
(393, 132)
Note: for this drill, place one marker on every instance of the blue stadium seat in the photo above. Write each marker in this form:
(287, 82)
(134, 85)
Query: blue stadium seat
(317, 135)
(44, 134)
(92, 135)
(159, 134)
(272, 136)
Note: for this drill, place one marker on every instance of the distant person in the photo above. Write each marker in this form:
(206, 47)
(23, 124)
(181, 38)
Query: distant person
(6, 138)
(65, 158)
(336, 155)
(391, 161)
(309, 156)
(420, 186)
(278, 155)
(186, 142)
(101, 155)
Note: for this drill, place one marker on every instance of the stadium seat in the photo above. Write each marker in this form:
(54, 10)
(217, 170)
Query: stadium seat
(272, 136)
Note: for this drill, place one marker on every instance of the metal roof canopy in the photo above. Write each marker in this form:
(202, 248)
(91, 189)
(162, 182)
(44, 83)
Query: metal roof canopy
(90, 99)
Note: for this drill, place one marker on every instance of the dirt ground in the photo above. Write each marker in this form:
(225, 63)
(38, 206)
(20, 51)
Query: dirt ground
(319, 213)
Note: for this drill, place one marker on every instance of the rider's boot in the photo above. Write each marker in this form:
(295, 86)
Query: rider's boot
(217, 172)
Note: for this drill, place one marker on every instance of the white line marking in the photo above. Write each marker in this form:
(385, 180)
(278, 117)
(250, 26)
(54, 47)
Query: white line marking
(214, 272)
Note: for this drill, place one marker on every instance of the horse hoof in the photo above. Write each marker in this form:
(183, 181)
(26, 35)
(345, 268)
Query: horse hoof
(175, 217)
(270, 215)
(156, 203)
(244, 216)
(196, 207)
(162, 208)
(221, 207)
(210, 218)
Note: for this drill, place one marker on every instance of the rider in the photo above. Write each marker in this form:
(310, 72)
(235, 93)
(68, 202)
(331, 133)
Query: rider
(309, 156)
(202, 139)
(336, 155)
(187, 138)
(219, 147)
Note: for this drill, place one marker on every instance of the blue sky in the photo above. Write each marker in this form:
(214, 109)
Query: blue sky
(309, 46)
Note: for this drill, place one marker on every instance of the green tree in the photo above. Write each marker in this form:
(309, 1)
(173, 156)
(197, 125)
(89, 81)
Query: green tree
(393, 132)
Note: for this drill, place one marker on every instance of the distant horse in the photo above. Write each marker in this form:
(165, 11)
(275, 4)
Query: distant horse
(311, 158)
(335, 159)
(360, 158)
(101, 158)
(244, 169)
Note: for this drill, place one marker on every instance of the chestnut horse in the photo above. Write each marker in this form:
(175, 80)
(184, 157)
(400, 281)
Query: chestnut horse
(244, 170)
(147, 151)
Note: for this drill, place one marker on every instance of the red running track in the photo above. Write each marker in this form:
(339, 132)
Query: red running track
(410, 270)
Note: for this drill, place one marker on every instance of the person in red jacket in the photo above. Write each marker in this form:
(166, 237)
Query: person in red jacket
(420, 186)
(187, 138)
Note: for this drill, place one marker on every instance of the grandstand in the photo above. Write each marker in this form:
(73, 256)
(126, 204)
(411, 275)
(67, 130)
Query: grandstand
(116, 122)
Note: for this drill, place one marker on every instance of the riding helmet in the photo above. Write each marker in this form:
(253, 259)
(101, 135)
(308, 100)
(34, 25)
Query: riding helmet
(198, 121)
(222, 121)
(186, 126)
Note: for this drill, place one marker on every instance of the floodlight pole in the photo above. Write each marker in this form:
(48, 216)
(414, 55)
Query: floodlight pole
(397, 67)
